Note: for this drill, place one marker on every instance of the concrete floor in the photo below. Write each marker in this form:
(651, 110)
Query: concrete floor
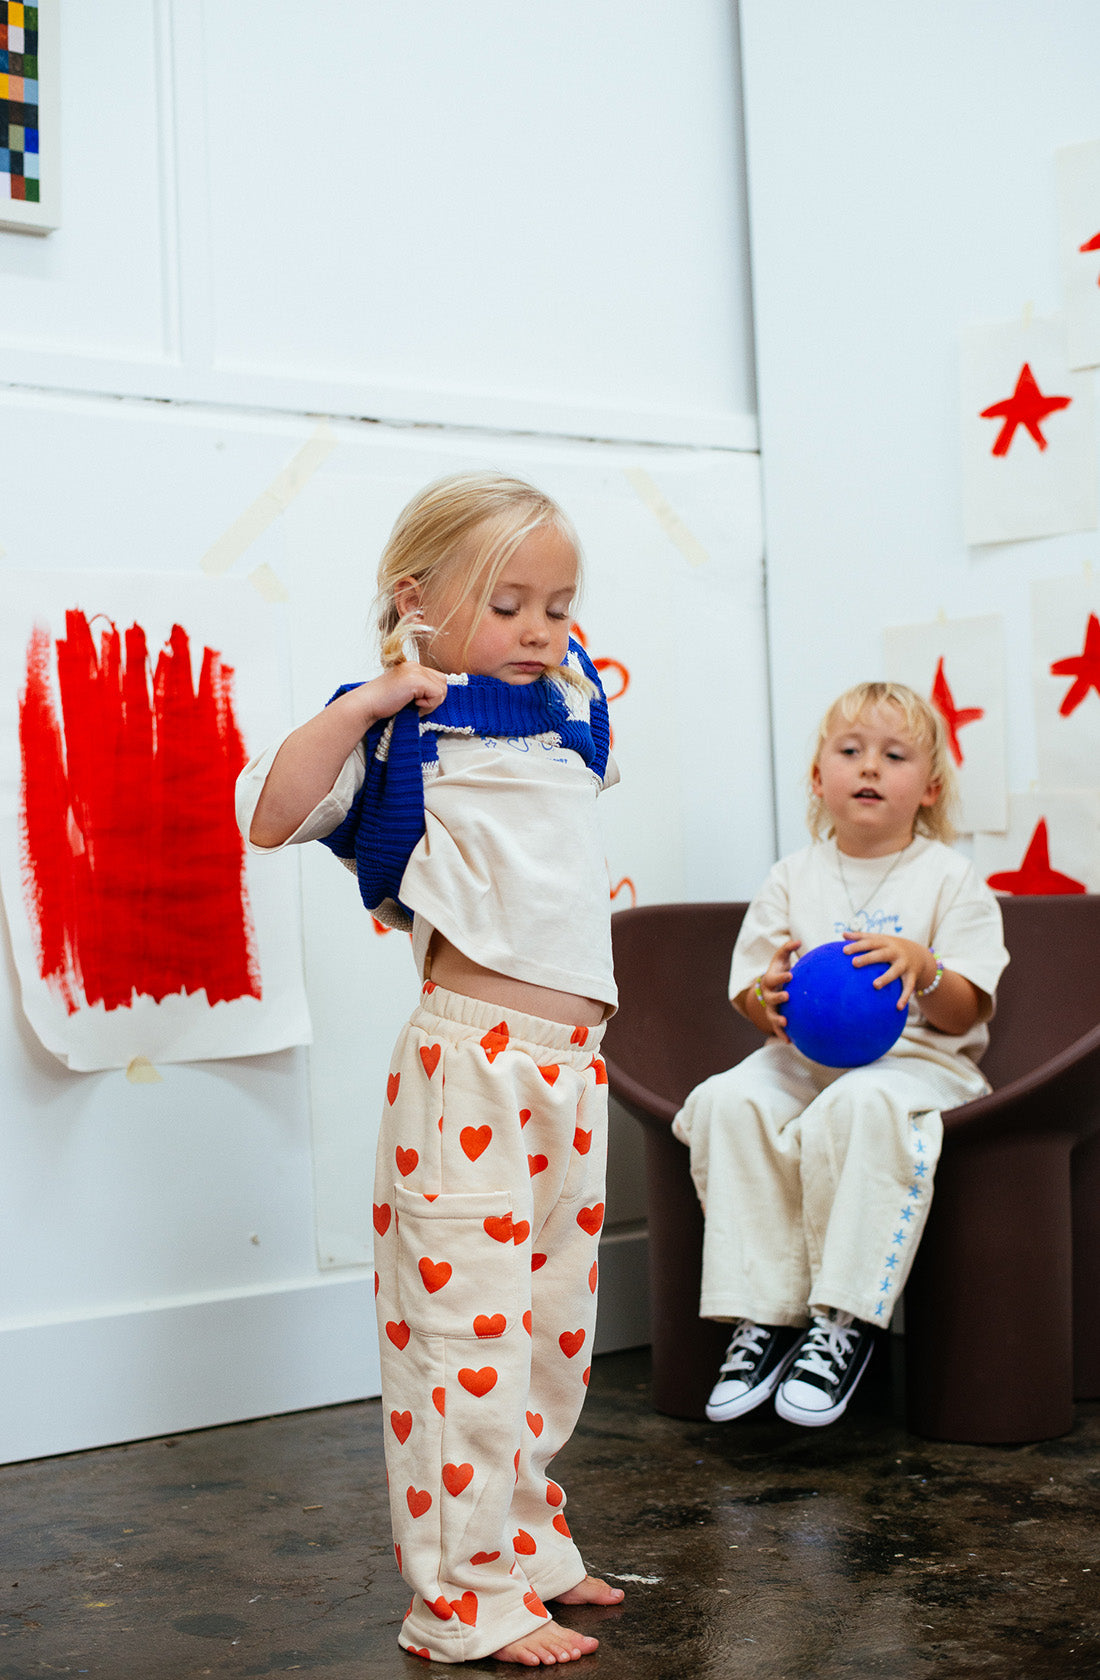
(754, 1551)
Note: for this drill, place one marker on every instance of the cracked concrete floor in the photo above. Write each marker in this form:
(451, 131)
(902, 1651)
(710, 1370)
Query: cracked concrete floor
(755, 1551)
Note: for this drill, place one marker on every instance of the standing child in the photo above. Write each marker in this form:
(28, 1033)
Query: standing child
(461, 787)
(816, 1181)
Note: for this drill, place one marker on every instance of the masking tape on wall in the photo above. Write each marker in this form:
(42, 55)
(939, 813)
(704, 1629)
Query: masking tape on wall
(270, 504)
(667, 517)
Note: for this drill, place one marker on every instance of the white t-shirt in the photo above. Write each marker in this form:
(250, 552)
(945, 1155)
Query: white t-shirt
(928, 893)
(511, 865)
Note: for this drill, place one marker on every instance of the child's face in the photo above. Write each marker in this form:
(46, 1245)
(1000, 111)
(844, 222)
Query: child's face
(873, 778)
(524, 630)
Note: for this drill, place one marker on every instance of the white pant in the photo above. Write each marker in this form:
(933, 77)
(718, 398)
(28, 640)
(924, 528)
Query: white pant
(815, 1182)
(489, 1202)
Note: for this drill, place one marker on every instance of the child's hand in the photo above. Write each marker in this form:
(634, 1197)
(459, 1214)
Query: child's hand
(912, 964)
(400, 685)
(773, 985)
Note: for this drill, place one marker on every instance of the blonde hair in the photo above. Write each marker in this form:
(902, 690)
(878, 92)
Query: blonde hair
(456, 536)
(923, 725)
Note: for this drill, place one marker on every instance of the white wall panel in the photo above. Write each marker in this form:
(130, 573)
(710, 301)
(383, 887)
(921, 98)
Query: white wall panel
(102, 285)
(901, 173)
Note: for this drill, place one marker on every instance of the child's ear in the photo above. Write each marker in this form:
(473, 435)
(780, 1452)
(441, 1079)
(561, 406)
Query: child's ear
(407, 596)
(815, 781)
(931, 793)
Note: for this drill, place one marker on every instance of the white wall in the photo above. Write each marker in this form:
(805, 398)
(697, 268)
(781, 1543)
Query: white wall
(503, 228)
(901, 172)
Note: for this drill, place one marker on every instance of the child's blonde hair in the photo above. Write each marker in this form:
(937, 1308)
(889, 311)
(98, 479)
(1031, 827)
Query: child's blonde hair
(458, 534)
(924, 726)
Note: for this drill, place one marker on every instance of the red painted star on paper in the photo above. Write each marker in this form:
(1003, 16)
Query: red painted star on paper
(1092, 244)
(953, 716)
(1084, 667)
(1035, 876)
(1026, 407)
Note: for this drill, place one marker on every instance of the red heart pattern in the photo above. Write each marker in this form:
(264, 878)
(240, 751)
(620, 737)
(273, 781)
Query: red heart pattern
(475, 1140)
(495, 1040)
(465, 1608)
(591, 1218)
(457, 1477)
(478, 1383)
(419, 1500)
(435, 1273)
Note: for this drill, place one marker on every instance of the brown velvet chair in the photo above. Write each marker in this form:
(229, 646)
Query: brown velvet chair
(1001, 1308)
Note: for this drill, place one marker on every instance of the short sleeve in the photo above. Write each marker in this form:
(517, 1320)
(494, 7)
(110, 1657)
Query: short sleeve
(326, 815)
(968, 937)
(766, 926)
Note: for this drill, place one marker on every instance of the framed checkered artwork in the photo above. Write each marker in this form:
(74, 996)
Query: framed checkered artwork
(29, 198)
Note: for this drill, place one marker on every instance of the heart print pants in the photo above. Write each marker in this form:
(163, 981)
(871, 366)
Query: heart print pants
(489, 1201)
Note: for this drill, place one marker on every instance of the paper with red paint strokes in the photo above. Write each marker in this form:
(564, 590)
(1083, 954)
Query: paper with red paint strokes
(1028, 445)
(1065, 630)
(132, 700)
(958, 664)
(1077, 170)
(1052, 845)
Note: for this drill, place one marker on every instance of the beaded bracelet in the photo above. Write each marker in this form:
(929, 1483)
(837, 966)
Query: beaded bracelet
(758, 991)
(925, 991)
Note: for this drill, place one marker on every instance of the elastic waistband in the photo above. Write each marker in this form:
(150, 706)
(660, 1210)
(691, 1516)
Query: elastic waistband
(437, 1004)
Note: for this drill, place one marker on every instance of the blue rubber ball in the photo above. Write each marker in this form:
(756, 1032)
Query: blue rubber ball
(834, 1014)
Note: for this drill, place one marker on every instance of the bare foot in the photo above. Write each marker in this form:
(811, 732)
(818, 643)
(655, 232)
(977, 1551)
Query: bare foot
(548, 1643)
(591, 1591)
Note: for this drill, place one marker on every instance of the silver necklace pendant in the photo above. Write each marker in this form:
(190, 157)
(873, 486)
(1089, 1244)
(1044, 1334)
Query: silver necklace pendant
(878, 886)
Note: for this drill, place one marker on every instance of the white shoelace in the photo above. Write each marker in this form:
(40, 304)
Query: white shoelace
(744, 1350)
(828, 1345)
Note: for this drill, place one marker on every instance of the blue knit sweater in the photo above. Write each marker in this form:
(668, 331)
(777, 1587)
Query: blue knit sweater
(386, 820)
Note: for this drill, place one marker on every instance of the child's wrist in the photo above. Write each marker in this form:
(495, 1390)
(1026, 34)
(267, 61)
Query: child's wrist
(926, 991)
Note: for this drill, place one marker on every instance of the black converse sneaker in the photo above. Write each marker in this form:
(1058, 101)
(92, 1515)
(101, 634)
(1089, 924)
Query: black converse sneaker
(755, 1362)
(826, 1366)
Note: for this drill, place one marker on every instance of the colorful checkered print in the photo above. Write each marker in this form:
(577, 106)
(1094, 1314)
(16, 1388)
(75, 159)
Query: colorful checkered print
(18, 102)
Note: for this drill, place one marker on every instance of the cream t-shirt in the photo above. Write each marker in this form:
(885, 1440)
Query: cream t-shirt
(511, 865)
(928, 893)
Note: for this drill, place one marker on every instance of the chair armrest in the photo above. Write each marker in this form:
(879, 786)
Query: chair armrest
(1061, 1095)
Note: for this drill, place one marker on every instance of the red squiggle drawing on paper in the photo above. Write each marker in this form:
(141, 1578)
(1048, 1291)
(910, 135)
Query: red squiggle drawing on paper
(133, 869)
(626, 885)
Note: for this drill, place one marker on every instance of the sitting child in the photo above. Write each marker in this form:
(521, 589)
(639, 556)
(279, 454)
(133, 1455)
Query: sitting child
(816, 1181)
